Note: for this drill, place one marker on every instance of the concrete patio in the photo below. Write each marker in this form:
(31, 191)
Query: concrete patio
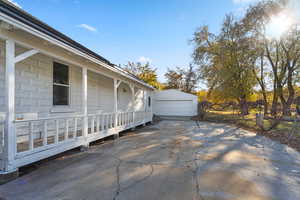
(169, 160)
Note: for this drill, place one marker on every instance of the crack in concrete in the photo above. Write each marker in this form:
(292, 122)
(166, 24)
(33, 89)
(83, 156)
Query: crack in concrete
(118, 175)
(196, 181)
(139, 181)
(118, 180)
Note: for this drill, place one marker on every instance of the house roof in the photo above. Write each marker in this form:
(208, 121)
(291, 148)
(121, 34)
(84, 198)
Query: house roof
(171, 94)
(20, 15)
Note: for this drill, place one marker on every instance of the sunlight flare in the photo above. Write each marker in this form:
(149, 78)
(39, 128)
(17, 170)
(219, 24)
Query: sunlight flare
(279, 24)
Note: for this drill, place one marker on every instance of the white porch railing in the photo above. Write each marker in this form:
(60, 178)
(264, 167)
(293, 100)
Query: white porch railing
(41, 138)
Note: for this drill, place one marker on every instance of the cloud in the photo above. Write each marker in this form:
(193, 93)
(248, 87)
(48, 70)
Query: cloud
(15, 3)
(144, 59)
(245, 1)
(87, 27)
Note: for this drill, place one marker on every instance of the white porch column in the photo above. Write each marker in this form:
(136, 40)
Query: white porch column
(84, 101)
(145, 105)
(10, 135)
(132, 101)
(116, 101)
(152, 102)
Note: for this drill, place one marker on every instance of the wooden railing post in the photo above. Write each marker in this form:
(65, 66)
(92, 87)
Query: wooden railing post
(66, 129)
(45, 133)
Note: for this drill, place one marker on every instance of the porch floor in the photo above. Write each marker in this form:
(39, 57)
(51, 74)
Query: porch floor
(169, 160)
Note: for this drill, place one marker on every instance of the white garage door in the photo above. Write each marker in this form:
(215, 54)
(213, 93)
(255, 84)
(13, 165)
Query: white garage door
(174, 107)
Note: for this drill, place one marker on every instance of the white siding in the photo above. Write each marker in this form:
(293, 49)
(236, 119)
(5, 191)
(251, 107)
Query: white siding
(124, 97)
(139, 100)
(100, 93)
(34, 79)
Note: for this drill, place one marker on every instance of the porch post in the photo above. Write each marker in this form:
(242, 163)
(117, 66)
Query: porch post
(116, 101)
(132, 102)
(9, 131)
(145, 106)
(151, 105)
(84, 101)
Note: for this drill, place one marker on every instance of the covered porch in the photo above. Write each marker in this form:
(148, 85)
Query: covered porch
(99, 103)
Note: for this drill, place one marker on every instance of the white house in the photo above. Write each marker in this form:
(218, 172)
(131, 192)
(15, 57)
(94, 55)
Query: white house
(174, 103)
(56, 94)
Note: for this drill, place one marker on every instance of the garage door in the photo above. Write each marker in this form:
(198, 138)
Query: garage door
(174, 107)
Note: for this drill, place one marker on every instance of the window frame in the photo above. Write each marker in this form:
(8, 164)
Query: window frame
(60, 84)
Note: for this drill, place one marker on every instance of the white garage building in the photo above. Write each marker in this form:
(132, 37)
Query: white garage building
(174, 103)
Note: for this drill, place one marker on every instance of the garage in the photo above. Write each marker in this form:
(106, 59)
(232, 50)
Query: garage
(174, 103)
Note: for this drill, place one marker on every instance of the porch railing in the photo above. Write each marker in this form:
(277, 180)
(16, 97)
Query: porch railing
(40, 138)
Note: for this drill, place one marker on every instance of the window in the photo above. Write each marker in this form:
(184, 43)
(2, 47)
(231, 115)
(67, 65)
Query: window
(60, 84)
(149, 102)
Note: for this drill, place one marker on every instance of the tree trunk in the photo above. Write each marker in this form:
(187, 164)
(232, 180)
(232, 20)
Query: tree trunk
(286, 104)
(266, 106)
(274, 106)
(286, 109)
(274, 103)
(244, 106)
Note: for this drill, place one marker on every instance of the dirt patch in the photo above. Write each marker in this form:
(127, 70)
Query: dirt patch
(283, 139)
(222, 183)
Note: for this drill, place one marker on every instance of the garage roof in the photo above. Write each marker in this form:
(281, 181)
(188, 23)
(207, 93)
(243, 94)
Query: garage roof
(173, 94)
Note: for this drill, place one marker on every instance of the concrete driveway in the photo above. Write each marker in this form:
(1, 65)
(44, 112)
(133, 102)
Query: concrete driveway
(169, 160)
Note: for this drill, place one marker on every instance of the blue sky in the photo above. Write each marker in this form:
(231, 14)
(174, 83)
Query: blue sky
(134, 30)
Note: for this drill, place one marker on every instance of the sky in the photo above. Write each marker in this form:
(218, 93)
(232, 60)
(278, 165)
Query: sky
(155, 31)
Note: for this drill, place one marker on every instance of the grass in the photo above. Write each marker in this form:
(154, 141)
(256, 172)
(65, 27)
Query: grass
(280, 133)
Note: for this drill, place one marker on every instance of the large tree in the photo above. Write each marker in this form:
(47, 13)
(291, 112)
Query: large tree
(281, 53)
(226, 61)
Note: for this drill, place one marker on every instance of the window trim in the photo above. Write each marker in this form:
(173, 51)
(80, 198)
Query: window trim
(64, 107)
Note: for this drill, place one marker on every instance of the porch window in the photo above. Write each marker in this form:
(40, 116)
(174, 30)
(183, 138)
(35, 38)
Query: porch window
(61, 84)
(149, 102)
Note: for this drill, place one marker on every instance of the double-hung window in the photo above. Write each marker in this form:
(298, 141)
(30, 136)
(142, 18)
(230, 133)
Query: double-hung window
(61, 86)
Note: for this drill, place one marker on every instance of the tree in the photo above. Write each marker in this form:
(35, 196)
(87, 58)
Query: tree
(191, 79)
(185, 79)
(282, 53)
(144, 72)
(174, 79)
(226, 61)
